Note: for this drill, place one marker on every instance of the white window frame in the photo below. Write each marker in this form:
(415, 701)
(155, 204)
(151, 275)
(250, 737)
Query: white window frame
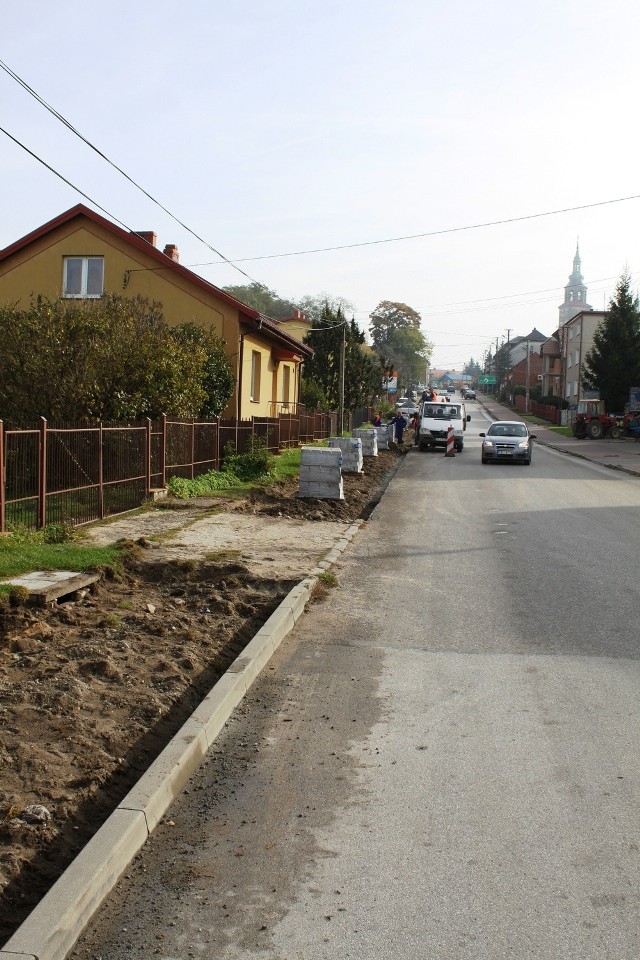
(84, 278)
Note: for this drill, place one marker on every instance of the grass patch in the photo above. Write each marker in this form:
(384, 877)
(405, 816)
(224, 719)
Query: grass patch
(241, 473)
(21, 552)
(562, 431)
(328, 579)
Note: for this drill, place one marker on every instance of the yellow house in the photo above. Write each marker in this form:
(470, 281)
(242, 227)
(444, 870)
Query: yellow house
(82, 255)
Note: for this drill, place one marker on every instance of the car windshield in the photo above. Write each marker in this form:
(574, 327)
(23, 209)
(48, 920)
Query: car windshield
(507, 430)
(441, 411)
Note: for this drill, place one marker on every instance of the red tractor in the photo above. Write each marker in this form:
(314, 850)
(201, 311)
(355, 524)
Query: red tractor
(591, 421)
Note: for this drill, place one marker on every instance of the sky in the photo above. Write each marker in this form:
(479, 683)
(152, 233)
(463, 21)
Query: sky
(402, 134)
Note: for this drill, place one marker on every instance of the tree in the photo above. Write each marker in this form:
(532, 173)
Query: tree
(362, 373)
(262, 299)
(396, 336)
(218, 380)
(612, 365)
(111, 359)
(472, 368)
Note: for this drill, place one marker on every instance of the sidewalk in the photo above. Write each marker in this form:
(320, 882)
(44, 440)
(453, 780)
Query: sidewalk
(622, 454)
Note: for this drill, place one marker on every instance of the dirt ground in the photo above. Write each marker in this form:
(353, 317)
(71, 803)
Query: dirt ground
(94, 686)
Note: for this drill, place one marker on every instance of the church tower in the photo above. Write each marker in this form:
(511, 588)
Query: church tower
(575, 293)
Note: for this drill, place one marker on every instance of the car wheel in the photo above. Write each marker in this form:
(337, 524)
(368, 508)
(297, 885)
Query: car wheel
(527, 462)
(595, 430)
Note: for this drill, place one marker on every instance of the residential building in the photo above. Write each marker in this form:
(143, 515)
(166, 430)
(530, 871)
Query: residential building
(82, 255)
(576, 339)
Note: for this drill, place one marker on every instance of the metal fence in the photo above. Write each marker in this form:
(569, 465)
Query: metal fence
(76, 473)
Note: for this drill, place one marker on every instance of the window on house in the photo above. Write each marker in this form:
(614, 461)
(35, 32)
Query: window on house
(575, 389)
(255, 374)
(83, 277)
(286, 384)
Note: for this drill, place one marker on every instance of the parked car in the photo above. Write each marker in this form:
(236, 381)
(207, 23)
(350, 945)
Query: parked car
(507, 440)
(408, 406)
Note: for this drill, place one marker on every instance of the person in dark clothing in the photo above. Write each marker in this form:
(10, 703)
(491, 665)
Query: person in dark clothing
(400, 425)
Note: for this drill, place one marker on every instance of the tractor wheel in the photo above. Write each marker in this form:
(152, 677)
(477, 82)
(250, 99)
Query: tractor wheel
(595, 430)
(615, 433)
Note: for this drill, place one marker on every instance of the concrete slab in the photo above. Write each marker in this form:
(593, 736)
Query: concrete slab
(45, 586)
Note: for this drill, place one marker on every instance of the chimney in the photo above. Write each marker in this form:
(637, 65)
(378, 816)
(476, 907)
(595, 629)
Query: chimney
(148, 235)
(171, 251)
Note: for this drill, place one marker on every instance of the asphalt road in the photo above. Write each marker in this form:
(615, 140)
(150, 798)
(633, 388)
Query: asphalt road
(441, 761)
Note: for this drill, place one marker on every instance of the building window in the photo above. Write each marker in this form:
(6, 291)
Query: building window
(83, 277)
(256, 359)
(286, 383)
(575, 389)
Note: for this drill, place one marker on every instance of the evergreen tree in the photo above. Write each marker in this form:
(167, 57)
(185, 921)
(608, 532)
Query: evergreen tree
(362, 377)
(612, 365)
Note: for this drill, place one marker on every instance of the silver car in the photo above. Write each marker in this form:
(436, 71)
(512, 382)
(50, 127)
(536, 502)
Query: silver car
(507, 440)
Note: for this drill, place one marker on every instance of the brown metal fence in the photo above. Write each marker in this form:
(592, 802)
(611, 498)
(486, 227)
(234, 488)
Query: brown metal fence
(77, 473)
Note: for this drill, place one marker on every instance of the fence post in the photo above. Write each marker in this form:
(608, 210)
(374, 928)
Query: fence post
(42, 479)
(100, 471)
(193, 447)
(163, 454)
(2, 480)
(147, 479)
(217, 444)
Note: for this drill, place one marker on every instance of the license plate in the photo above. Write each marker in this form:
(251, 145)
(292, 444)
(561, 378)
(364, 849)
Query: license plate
(504, 453)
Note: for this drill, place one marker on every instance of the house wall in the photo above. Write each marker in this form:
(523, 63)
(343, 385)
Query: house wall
(578, 340)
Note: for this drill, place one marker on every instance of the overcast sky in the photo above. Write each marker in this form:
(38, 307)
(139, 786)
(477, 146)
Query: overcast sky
(272, 127)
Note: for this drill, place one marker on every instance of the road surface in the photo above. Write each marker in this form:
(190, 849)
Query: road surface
(441, 761)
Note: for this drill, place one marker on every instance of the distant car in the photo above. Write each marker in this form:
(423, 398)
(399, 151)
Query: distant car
(407, 406)
(507, 441)
(470, 395)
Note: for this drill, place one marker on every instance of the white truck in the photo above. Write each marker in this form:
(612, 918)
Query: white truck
(435, 418)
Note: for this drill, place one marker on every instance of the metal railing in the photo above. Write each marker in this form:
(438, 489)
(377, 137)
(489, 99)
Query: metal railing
(77, 473)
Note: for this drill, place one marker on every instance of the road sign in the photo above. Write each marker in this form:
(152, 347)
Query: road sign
(486, 378)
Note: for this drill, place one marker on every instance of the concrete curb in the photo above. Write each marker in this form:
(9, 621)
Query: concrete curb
(53, 927)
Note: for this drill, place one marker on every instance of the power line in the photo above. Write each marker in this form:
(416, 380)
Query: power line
(92, 146)
(433, 233)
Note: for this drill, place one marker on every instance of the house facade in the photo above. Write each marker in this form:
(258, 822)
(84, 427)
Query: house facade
(576, 339)
(82, 255)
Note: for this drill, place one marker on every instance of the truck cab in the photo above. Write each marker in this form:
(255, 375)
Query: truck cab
(435, 418)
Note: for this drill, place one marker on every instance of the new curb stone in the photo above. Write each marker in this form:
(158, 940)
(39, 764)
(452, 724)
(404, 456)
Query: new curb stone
(53, 927)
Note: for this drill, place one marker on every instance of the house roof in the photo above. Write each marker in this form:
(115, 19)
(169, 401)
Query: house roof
(246, 314)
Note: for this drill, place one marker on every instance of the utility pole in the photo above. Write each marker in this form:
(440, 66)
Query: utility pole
(526, 396)
(342, 366)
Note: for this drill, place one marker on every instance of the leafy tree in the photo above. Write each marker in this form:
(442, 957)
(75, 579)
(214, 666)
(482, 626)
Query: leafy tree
(111, 359)
(312, 395)
(218, 381)
(396, 335)
(259, 297)
(313, 307)
(362, 371)
(612, 365)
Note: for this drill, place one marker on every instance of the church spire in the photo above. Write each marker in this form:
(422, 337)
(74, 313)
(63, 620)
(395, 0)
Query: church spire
(575, 292)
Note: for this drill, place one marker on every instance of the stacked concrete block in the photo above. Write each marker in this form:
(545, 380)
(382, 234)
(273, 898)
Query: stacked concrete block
(369, 441)
(384, 435)
(321, 473)
(351, 448)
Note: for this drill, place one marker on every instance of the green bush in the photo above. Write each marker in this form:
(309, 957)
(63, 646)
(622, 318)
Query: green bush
(255, 464)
